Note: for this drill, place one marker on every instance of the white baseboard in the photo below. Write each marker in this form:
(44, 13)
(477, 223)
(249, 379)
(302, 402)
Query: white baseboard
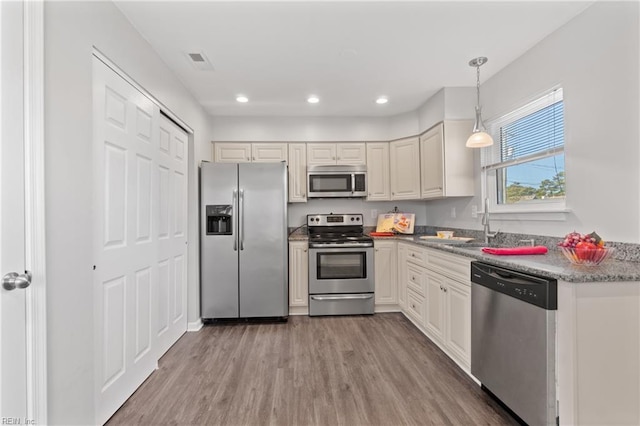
(194, 326)
(298, 310)
(387, 308)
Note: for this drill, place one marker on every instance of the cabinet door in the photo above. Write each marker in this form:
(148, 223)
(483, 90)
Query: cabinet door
(405, 169)
(298, 273)
(231, 152)
(402, 276)
(385, 272)
(378, 188)
(432, 163)
(297, 173)
(268, 152)
(458, 319)
(435, 306)
(321, 153)
(351, 153)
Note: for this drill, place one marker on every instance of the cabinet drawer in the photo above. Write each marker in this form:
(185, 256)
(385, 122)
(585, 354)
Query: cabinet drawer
(415, 280)
(417, 255)
(415, 306)
(456, 267)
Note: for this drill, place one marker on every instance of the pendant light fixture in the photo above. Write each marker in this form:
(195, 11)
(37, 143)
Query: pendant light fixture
(479, 138)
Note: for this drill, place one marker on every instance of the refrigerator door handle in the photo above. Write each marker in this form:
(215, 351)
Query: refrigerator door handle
(235, 220)
(241, 219)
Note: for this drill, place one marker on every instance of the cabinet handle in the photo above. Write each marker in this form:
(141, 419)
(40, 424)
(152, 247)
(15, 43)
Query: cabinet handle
(444, 289)
(440, 287)
(413, 255)
(413, 278)
(305, 250)
(254, 158)
(248, 159)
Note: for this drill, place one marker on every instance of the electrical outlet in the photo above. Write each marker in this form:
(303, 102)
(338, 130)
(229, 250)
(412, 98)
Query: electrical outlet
(374, 214)
(474, 211)
(453, 212)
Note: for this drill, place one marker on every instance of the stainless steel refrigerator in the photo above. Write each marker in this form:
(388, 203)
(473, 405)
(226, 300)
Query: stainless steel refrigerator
(243, 240)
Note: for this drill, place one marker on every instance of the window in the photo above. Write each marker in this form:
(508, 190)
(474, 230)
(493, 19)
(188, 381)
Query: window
(524, 168)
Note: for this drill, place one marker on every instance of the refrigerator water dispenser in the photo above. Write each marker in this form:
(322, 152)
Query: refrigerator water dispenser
(219, 219)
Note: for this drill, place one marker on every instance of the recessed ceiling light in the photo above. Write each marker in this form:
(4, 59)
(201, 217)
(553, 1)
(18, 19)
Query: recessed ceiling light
(313, 99)
(242, 98)
(382, 100)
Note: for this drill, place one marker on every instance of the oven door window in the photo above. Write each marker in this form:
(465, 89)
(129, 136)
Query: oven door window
(350, 265)
(330, 183)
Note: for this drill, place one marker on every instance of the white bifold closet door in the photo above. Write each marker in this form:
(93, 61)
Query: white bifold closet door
(140, 251)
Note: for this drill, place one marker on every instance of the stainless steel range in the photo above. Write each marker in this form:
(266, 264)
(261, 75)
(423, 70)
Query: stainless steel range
(341, 280)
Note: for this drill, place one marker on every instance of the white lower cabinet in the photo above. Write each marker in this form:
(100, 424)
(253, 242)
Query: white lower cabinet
(402, 275)
(438, 295)
(415, 305)
(385, 266)
(435, 318)
(458, 320)
(298, 277)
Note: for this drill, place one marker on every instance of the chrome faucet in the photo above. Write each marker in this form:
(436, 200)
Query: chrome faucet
(485, 223)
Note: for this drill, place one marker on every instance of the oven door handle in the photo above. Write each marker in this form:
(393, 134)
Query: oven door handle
(345, 297)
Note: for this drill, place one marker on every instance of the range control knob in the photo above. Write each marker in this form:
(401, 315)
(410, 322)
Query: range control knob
(352, 219)
(358, 219)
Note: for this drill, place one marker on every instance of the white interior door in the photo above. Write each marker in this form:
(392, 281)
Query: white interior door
(13, 348)
(172, 235)
(126, 140)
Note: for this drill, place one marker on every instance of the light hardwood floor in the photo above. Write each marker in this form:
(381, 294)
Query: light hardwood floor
(352, 370)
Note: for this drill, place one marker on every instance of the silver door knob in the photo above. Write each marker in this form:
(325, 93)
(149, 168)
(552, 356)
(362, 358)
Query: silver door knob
(13, 280)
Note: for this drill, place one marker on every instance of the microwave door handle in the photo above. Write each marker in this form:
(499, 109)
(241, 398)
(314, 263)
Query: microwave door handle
(353, 183)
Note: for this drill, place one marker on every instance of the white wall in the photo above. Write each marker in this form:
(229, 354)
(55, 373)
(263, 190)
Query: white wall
(311, 129)
(71, 29)
(595, 59)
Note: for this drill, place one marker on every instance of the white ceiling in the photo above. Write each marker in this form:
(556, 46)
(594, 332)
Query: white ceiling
(346, 52)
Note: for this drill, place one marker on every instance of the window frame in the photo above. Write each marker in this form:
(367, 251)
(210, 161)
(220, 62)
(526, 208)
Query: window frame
(489, 169)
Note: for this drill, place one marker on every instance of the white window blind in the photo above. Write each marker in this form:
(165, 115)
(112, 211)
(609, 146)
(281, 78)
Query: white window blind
(534, 131)
(524, 168)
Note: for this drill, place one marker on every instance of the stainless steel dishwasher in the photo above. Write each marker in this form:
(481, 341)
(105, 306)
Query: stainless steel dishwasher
(513, 324)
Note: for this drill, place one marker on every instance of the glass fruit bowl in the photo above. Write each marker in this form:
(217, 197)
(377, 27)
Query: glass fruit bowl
(587, 256)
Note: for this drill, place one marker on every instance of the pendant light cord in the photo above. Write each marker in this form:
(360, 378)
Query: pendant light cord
(478, 83)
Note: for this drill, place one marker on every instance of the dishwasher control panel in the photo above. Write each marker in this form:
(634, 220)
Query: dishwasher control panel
(536, 290)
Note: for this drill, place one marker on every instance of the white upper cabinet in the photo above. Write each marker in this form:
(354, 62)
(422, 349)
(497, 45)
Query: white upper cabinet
(446, 163)
(268, 152)
(297, 173)
(232, 152)
(321, 153)
(244, 152)
(332, 153)
(405, 169)
(351, 153)
(378, 183)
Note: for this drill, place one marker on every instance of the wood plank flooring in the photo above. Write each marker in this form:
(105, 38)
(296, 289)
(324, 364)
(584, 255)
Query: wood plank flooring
(352, 370)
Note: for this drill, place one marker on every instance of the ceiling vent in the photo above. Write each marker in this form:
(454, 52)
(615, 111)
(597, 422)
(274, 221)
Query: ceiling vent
(199, 61)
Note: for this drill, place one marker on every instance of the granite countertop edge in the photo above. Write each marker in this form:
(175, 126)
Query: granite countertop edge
(551, 265)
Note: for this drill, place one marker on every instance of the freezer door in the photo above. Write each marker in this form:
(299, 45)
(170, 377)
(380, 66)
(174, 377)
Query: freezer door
(218, 252)
(263, 240)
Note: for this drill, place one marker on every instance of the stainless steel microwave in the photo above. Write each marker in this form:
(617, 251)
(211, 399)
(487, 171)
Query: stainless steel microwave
(337, 181)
